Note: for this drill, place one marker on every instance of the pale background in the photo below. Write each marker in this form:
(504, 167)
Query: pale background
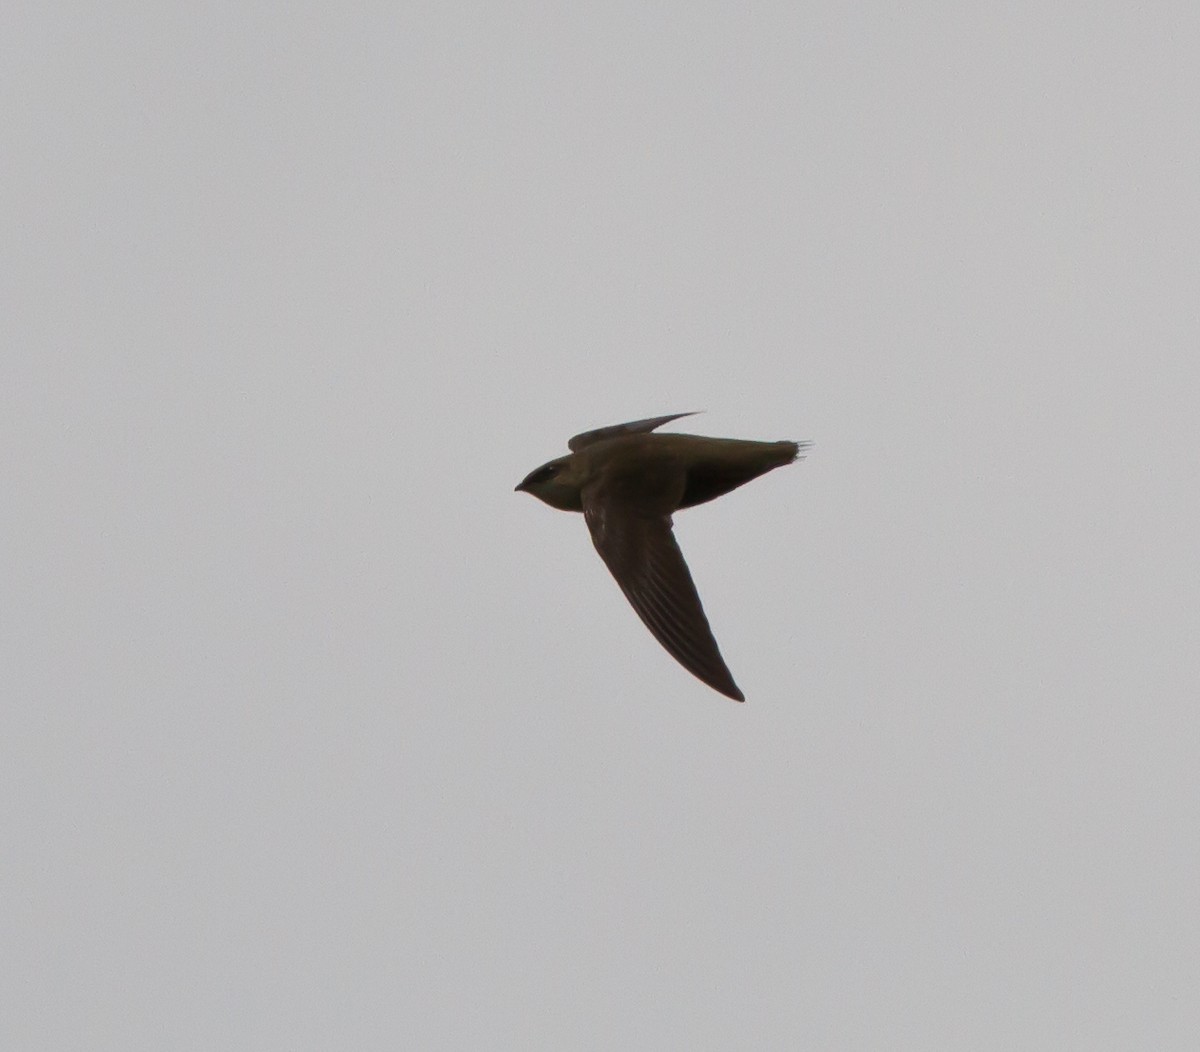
(317, 736)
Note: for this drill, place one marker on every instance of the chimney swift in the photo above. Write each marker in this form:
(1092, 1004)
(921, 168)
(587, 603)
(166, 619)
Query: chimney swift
(628, 482)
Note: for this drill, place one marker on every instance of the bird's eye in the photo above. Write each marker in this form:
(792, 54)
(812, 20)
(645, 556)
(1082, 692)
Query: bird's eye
(544, 474)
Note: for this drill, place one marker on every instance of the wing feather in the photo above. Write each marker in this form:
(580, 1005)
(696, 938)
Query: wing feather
(641, 553)
(634, 427)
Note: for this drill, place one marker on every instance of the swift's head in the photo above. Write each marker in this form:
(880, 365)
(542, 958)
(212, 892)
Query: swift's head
(556, 483)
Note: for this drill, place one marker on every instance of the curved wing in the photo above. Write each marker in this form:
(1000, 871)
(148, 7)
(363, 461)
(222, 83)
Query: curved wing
(634, 427)
(641, 553)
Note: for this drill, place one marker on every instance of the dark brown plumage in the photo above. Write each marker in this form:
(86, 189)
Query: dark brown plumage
(628, 482)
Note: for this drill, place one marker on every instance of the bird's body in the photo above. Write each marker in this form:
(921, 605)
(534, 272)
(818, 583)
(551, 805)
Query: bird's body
(628, 482)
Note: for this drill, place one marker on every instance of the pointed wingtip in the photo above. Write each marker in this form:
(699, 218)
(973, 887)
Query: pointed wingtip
(633, 427)
(723, 685)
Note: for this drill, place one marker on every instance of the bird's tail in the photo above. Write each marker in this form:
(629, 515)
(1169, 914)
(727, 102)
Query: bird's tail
(799, 449)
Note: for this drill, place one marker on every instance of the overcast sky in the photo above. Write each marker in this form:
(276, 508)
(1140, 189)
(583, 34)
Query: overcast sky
(315, 735)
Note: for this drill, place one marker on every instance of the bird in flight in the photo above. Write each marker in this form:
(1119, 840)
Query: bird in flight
(628, 482)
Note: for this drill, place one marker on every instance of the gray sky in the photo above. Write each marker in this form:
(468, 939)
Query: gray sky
(315, 735)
